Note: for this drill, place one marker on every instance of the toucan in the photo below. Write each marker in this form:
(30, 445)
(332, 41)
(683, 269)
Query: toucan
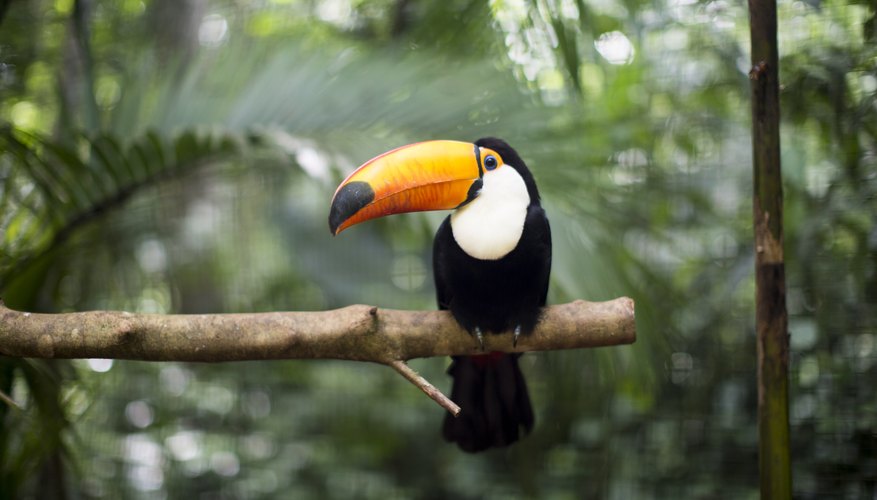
(491, 262)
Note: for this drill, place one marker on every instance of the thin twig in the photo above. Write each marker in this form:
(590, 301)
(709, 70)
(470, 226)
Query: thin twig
(424, 385)
(9, 401)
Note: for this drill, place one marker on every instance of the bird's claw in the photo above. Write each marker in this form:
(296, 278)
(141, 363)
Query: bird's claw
(480, 337)
(517, 334)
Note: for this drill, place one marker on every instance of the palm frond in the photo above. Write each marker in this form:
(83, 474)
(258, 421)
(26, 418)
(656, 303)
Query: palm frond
(52, 188)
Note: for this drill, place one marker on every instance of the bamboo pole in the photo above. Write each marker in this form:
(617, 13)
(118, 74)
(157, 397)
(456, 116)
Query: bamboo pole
(770, 297)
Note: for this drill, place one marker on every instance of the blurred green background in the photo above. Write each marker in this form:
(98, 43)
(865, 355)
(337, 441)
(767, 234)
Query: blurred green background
(178, 156)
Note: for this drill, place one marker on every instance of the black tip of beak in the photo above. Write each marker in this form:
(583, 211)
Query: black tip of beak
(351, 198)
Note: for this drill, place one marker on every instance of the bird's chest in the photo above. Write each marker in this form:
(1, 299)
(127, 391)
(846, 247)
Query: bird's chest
(489, 229)
(491, 294)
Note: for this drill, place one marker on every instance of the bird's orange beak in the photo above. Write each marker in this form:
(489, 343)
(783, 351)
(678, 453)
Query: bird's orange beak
(433, 175)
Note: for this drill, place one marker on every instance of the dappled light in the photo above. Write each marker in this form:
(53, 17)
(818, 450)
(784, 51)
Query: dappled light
(615, 47)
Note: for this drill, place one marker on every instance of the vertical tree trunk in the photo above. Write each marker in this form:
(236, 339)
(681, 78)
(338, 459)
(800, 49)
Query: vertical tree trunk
(770, 296)
(78, 107)
(174, 25)
(4, 8)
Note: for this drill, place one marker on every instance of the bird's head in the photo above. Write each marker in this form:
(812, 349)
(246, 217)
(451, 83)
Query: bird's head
(432, 175)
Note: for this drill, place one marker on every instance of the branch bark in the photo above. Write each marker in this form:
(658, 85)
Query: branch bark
(358, 333)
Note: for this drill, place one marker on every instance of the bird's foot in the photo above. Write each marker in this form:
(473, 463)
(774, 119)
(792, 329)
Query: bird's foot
(517, 334)
(480, 337)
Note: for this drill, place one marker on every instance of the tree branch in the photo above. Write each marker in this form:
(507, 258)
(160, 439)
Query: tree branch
(424, 385)
(358, 333)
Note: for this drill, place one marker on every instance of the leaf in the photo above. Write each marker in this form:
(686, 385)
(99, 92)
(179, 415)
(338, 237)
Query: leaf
(67, 182)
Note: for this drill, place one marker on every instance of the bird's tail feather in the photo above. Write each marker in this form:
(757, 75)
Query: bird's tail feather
(492, 393)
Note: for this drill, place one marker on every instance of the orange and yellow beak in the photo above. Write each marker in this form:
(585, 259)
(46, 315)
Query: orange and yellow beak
(433, 175)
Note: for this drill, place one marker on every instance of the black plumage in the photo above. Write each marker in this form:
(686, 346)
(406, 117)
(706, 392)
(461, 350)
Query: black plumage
(494, 296)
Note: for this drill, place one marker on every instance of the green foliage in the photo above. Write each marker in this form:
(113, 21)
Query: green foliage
(202, 185)
(51, 189)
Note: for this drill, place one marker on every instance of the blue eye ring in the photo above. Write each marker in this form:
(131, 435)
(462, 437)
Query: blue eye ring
(490, 162)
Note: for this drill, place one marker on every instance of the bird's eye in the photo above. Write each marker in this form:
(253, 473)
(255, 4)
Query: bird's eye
(490, 162)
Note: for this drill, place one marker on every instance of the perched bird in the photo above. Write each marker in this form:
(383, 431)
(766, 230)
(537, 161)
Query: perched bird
(491, 261)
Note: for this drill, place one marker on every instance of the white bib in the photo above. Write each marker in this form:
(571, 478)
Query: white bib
(490, 226)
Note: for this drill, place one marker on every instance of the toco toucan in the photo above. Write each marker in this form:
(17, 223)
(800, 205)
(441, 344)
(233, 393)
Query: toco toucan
(491, 260)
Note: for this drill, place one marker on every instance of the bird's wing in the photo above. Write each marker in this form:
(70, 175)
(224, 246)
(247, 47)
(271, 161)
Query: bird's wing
(442, 291)
(538, 222)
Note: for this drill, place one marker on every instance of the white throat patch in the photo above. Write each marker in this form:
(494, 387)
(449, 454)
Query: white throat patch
(490, 226)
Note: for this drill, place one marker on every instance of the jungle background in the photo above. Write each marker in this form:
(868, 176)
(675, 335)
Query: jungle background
(179, 156)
